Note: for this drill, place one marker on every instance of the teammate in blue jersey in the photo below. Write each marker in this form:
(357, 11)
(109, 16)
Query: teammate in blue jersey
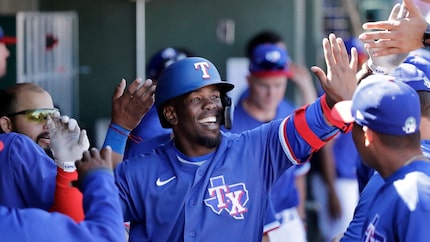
(386, 116)
(418, 80)
(103, 212)
(263, 102)
(207, 185)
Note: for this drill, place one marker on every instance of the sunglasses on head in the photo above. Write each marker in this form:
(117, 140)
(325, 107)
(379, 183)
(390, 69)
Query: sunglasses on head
(38, 115)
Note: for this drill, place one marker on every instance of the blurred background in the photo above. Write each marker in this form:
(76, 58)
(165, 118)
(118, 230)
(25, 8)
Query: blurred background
(79, 50)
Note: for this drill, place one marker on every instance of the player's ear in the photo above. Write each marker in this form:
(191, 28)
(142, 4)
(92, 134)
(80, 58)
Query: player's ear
(170, 114)
(6, 124)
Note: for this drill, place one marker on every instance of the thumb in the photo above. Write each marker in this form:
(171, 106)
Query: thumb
(394, 12)
(319, 73)
(119, 90)
(412, 8)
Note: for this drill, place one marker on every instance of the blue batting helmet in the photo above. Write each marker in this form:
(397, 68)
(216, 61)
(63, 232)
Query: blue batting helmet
(185, 76)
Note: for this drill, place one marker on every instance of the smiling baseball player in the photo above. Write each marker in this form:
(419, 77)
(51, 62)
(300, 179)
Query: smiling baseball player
(207, 185)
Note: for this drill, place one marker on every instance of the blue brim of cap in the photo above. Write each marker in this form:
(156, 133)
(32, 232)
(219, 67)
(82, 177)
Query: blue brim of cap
(342, 111)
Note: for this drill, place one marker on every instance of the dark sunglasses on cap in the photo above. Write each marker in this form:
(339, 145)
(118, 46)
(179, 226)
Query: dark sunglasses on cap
(38, 115)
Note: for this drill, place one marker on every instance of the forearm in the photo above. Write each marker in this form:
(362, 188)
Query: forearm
(68, 199)
(103, 221)
(116, 138)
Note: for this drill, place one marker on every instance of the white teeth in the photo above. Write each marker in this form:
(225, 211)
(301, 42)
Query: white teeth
(211, 119)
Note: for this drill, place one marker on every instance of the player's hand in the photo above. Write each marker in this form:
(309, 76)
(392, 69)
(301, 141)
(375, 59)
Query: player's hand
(302, 78)
(396, 36)
(340, 81)
(68, 141)
(93, 160)
(131, 104)
(385, 64)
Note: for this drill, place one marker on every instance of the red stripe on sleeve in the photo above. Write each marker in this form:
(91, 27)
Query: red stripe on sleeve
(304, 131)
(68, 199)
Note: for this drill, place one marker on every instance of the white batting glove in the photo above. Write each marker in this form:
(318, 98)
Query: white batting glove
(385, 64)
(68, 141)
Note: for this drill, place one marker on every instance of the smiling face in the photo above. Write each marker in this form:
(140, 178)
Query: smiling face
(196, 118)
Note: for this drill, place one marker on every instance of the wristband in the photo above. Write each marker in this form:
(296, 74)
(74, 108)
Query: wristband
(344, 127)
(116, 138)
(67, 166)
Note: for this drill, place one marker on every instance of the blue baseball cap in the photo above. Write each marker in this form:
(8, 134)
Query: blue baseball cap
(162, 59)
(411, 75)
(269, 60)
(8, 40)
(420, 62)
(421, 52)
(383, 104)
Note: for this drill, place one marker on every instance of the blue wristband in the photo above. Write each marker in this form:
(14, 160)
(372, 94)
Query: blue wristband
(116, 138)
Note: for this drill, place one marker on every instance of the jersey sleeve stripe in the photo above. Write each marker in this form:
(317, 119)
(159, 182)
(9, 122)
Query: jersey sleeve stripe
(283, 139)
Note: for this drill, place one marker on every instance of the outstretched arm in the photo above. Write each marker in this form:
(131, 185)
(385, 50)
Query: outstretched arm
(128, 108)
(396, 36)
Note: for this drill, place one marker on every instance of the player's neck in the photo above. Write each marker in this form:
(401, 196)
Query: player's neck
(425, 128)
(261, 114)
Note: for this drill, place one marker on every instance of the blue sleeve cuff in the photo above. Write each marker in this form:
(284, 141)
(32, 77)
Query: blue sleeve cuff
(116, 138)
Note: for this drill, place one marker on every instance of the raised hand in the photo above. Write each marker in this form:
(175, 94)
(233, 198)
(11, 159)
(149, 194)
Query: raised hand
(131, 104)
(68, 141)
(340, 81)
(395, 36)
(385, 64)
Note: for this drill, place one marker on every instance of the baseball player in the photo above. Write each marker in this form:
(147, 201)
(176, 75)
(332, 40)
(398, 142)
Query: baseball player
(386, 112)
(103, 212)
(207, 185)
(417, 79)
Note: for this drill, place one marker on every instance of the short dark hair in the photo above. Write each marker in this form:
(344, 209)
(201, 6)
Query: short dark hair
(424, 103)
(8, 96)
(265, 36)
(409, 141)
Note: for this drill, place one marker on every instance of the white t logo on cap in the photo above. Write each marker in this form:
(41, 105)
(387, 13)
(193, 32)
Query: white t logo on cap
(203, 66)
(273, 56)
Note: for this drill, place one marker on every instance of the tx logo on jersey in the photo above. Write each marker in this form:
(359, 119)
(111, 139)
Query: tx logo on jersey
(371, 235)
(231, 198)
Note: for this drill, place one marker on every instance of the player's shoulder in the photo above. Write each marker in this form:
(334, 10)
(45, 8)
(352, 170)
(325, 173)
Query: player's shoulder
(158, 155)
(12, 140)
(414, 188)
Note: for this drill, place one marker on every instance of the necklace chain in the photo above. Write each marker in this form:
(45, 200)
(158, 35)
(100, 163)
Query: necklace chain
(417, 157)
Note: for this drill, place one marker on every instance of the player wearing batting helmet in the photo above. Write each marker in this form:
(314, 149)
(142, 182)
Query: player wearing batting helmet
(208, 185)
